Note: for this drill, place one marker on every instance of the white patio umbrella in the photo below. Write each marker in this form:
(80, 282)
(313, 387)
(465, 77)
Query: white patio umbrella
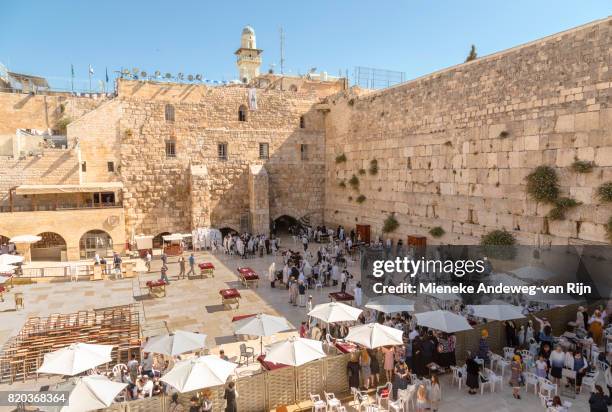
(76, 358)
(375, 335)
(261, 325)
(25, 239)
(497, 312)
(203, 372)
(295, 351)
(448, 297)
(6, 269)
(443, 320)
(390, 304)
(7, 259)
(335, 312)
(88, 393)
(175, 343)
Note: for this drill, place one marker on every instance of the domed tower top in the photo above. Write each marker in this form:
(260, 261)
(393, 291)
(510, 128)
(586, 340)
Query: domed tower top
(247, 40)
(248, 56)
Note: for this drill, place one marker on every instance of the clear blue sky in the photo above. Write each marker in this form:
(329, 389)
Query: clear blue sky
(414, 36)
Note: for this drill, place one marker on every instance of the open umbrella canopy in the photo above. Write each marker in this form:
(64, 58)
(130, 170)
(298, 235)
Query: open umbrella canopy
(6, 269)
(25, 239)
(76, 358)
(175, 343)
(497, 312)
(88, 393)
(261, 325)
(443, 320)
(7, 259)
(203, 372)
(295, 351)
(335, 312)
(375, 335)
(447, 297)
(390, 304)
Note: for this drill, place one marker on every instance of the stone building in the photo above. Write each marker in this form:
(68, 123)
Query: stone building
(450, 149)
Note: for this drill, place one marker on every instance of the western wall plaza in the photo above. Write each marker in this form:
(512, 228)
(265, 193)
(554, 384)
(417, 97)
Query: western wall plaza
(276, 240)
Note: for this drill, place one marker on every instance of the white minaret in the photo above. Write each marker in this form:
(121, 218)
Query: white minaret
(249, 59)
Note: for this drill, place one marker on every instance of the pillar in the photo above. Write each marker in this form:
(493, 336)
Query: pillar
(259, 200)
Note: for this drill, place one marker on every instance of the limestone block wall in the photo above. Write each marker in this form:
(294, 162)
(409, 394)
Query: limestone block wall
(259, 199)
(157, 197)
(98, 136)
(453, 148)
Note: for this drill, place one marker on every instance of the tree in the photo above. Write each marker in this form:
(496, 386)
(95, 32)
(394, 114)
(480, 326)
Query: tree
(472, 55)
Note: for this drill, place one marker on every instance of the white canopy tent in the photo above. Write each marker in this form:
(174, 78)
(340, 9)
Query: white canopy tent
(375, 335)
(335, 312)
(295, 351)
(75, 358)
(390, 304)
(88, 393)
(497, 312)
(176, 343)
(7, 259)
(443, 320)
(203, 372)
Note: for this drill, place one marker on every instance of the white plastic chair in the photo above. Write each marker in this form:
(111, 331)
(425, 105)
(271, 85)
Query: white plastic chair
(409, 396)
(494, 379)
(396, 406)
(589, 381)
(147, 389)
(118, 368)
(381, 396)
(457, 376)
(317, 403)
(488, 383)
(547, 388)
(360, 399)
(508, 353)
(332, 401)
(531, 379)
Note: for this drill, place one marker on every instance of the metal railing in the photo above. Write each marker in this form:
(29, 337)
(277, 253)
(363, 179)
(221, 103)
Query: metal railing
(58, 208)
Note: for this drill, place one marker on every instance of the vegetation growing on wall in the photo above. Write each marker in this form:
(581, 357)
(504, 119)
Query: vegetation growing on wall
(342, 184)
(562, 205)
(62, 124)
(390, 224)
(499, 244)
(543, 185)
(360, 199)
(373, 167)
(582, 166)
(362, 172)
(341, 158)
(437, 232)
(354, 182)
(604, 192)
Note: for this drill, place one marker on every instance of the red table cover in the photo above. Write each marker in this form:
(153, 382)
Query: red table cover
(229, 293)
(155, 283)
(269, 365)
(248, 273)
(341, 296)
(240, 317)
(346, 347)
(206, 265)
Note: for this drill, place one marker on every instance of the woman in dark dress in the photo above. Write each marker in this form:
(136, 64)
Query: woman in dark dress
(352, 369)
(230, 398)
(472, 370)
(417, 356)
(401, 374)
(374, 366)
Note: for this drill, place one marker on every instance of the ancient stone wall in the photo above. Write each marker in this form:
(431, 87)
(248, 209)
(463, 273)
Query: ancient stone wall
(453, 148)
(157, 195)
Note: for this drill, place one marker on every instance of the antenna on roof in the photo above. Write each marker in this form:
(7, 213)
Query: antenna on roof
(190, 77)
(282, 50)
(168, 75)
(198, 77)
(157, 73)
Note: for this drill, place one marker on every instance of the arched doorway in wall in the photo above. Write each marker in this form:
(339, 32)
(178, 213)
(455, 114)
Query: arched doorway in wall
(285, 224)
(4, 246)
(95, 241)
(50, 247)
(227, 230)
(158, 240)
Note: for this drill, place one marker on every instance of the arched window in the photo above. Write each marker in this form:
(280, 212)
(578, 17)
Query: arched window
(242, 113)
(293, 88)
(169, 113)
(302, 122)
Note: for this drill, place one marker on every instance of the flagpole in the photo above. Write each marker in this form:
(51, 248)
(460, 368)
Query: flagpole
(90, 81)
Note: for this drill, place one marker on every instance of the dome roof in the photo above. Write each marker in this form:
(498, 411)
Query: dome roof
(248, 30)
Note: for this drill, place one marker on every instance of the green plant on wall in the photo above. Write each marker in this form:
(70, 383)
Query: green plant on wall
(341, 158)
(542, 184)
(604, 192)
(342, 184)
(354, 182)
(436, 232)
(582, 166)
(390, 224)
(62, 124)
(360, 199)
(373, 167)
(609, 229)
(362, 172)
(499, 244)
(562, 205)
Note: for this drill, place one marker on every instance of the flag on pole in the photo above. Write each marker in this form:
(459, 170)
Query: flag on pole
(91, 71)
(107, 75)
(72, 70)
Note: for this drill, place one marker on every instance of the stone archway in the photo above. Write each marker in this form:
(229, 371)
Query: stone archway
(285, 224)
(51, 247)
(158, 240)
(227, 230)
(95, 241)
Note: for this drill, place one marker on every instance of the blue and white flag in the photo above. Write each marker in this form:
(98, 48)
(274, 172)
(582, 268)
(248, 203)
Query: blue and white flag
(91, 71)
